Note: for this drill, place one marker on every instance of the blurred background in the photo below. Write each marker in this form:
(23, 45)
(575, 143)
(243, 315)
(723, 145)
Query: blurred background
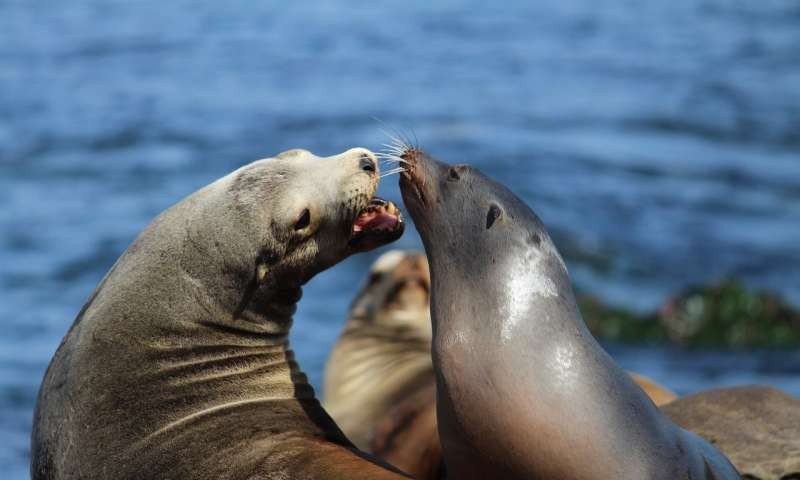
(659, 142)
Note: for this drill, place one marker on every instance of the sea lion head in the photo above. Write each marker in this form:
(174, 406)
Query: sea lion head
(305, 213)
(478, 231)
(396, 293)
(469, 210)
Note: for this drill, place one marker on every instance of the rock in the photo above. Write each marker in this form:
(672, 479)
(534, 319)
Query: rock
(757, 427)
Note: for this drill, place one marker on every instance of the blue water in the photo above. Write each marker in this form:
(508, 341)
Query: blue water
(659, 141)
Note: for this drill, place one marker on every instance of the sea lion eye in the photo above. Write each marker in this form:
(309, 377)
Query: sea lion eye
(493, 214)
(303, 220)
(453, 175)
(367, 164)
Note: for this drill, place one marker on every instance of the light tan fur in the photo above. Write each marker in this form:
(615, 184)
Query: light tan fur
(179, 365)
(383, 354)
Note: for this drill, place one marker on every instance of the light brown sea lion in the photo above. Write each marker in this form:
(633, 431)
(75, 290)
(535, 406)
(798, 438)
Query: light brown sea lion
(523, 390)
(407, 437)
(179, 367)
(659, 394)
(757, 427)
(379, 382)
(383, 355)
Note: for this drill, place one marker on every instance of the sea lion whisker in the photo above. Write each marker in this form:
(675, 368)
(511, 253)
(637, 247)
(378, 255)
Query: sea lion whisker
(404, 141)
(392, 158)
(391, 153)
(393, 149)
(394, 152)
(393, 171)
(415, 145)
(400, 140)
(385, 131)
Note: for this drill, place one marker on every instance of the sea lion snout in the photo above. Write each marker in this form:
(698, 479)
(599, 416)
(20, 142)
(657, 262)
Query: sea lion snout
(417, 182)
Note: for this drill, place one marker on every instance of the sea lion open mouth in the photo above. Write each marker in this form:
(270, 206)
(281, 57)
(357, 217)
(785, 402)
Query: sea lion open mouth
(378, 224)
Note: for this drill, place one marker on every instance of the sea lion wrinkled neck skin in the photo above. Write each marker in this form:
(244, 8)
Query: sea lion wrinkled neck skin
(523, 389)
(178, 366)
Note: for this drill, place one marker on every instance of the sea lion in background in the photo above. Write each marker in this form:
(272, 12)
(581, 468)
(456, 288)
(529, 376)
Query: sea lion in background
(178, 366)
(379, 383)
(659, 394)
(757, 427)
(523, 390)
(383, 354)
(379, 380)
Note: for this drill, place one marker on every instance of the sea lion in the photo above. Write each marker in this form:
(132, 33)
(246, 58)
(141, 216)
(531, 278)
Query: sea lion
(379, 380)
(523, 390)
(383, 354)
(178, 366)
(379, 384)
(659, 394)
(757, 427)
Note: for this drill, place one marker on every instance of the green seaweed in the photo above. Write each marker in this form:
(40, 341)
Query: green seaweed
(725, 315)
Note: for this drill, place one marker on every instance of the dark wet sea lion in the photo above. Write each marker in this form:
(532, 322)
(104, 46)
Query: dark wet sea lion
(523, 389)
(757, 427)
(379, 380)
(178, 366)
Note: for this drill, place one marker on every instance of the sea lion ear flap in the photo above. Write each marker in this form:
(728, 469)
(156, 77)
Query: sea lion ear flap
(263, 264)
(262, 270)
(494, 213)
(260, 277)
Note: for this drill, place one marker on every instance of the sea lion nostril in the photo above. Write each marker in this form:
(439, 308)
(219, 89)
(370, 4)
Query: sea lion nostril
(367, 163)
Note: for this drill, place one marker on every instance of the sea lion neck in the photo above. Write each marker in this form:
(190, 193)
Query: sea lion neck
(216, 318)
(246, 298)
(526, 281)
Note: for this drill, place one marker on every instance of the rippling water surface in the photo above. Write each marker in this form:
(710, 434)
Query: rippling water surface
(659, 141)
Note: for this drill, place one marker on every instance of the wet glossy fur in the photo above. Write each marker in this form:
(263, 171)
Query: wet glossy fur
(523, 389)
